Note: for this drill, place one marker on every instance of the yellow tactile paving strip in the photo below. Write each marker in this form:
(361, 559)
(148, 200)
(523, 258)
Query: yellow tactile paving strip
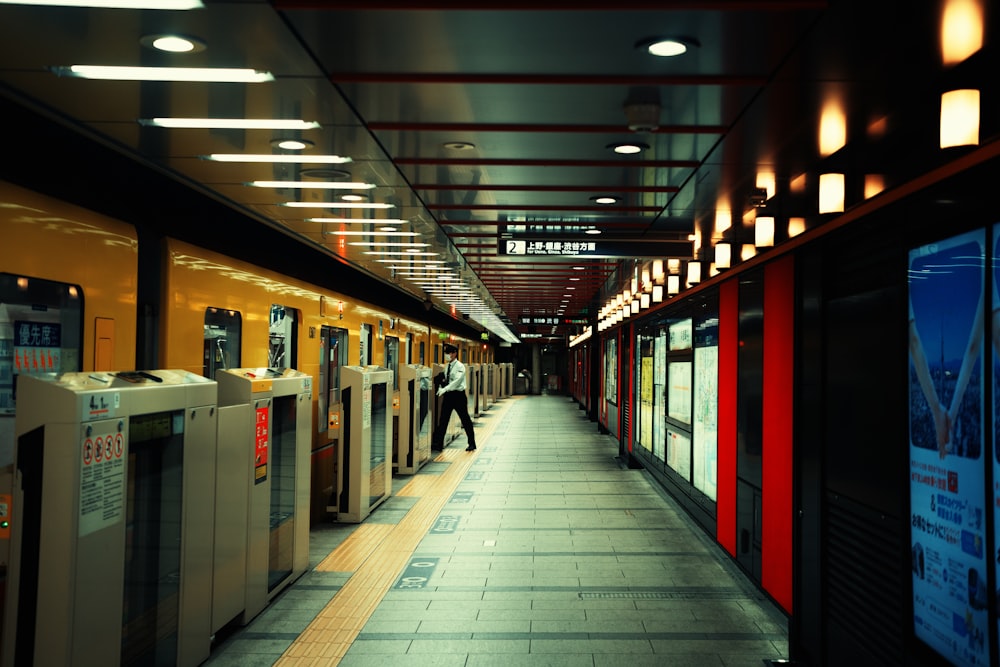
(377, 554)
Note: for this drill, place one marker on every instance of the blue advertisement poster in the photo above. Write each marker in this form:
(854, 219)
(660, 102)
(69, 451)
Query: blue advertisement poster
(995, 379)
(947, 466)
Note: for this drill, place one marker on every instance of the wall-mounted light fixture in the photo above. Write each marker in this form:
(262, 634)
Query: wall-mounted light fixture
(959, 118)
(831, 193)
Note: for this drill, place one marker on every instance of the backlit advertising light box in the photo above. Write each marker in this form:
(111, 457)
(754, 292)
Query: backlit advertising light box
(948, 495)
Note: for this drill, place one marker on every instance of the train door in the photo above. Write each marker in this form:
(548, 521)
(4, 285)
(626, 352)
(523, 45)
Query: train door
(282, 347)
(223, 342)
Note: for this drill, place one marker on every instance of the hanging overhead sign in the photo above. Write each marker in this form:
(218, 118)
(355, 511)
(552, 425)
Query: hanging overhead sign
(578, 248)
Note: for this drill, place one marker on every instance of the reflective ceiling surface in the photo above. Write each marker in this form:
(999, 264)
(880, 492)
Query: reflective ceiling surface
(489, 126)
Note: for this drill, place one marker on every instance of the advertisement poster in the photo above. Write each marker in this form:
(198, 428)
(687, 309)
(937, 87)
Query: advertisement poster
(706, 414)
(679, 391)
(679, 452)
(995, 379)
(947, 466)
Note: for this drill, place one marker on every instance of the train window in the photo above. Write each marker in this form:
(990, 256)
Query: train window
(282, 344)
(333, 351)
(223, 342)
(422, 360)
(365, 353)
(41, 331)
(391, 357)
(409, 348)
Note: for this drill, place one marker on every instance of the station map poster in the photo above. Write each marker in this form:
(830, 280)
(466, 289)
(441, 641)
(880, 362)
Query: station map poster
(948, 510)
(706, 407)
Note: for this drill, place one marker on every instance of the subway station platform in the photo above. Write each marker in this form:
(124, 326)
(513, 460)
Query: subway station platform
(537, 549)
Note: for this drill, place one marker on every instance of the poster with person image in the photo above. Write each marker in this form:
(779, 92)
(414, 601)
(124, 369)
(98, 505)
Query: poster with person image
(946, 283)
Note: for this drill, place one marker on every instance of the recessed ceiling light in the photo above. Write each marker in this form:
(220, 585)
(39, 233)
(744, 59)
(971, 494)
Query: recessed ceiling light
(592, 231)
(459, 145)
(357, 198)
(630, 148)
(578, 268)
(667, 47)
(292, 144)
(604, 199)
(173, 43)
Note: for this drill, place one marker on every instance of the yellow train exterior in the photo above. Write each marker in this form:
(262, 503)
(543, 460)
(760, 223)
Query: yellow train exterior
(52, 240)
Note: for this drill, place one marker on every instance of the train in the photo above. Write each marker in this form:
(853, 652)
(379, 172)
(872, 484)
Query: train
(82, 291)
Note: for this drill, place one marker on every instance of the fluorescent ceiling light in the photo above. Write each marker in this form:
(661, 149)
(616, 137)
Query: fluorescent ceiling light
(360, 221)
(337, 204)
(397, 253)
(266, 157)
(112, 4)
(370, 233)
(320, 185)
(412, 261)
(230, 123)
(210, 74)
(371, 244)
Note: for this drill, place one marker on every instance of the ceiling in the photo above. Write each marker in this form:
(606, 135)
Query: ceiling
(491, 129)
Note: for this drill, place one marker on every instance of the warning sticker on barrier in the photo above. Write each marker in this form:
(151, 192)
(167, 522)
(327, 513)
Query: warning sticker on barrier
(102, 481)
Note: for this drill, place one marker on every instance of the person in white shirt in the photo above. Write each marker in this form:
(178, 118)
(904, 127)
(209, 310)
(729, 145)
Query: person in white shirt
(453, 399)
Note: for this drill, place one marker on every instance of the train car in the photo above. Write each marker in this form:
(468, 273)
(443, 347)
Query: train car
(68, 294)
(69, 301)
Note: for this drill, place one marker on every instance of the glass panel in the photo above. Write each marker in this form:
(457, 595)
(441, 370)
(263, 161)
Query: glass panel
(424, 398)
(223, 329)
(378, 408)
(392, 359)
(282, 329)
(153, 539)
(41, 331)
(282, 460)
(659, 396)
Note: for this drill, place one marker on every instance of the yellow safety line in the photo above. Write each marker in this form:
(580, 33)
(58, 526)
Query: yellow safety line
(380, 556)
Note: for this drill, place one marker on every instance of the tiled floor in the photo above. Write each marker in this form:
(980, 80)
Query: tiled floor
(539, 549)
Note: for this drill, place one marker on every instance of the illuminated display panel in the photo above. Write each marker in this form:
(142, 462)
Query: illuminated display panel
(947, 468)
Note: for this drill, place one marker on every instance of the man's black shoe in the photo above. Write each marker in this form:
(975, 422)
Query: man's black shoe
(437, 449)
(470, 448)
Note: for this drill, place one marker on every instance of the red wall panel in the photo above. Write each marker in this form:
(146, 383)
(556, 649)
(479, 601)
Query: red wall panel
(725, 510)
(779, 358)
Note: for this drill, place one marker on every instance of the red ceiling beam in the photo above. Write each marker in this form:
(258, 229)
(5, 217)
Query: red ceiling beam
(624, 162)
(504, 207)
(376, 126)
(546, 188)
(562, 5)
(624, 80)
(614, 224)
